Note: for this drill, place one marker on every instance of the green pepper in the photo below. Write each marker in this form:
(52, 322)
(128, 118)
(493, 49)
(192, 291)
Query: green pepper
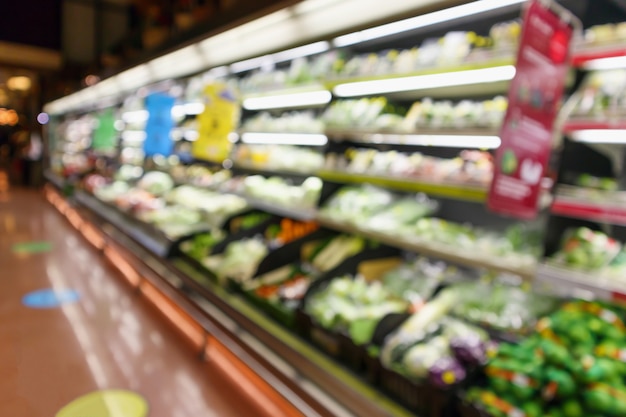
(532, 409)
(599, 400)
(572, 408)
(558, 383)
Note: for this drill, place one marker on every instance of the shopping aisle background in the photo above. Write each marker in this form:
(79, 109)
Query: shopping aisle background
(109, 339)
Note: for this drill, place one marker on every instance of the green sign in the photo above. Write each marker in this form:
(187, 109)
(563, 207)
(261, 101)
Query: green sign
(105, 135)
(32, 247)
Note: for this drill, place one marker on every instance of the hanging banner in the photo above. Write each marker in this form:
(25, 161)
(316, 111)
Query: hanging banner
(535, 96)
(218, 120)
(105, 135)
(159, 125)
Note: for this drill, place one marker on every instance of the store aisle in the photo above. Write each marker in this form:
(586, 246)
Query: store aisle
(107, 339)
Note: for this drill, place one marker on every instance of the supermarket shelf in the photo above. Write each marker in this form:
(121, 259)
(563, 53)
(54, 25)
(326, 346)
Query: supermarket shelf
(263, 170)
(467, 79)
(566, 282)
(442, 252)
(147, 236)
(576, 125)
(56, 180)
(605, 209)
(465, 192)
(292, 213)
(598, 56)
(305, 377)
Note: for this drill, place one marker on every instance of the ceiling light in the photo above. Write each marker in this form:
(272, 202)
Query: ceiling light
(607, 136)
(20, 83)
(310, 98)
(284, 139)
(425, 20)
(422, 82)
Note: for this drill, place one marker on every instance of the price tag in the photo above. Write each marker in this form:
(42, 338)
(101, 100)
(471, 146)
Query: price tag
(159, 126)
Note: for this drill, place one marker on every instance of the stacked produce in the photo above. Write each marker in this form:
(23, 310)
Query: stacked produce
(292, 122)
(452, 49)
(374, 113)
(240, 259)
(200, 246)
(285, 287)
(199, 175)
(276, 190)
(572, 366)
(592, 251)
(302, 71)
(277, 157)
(377, 114)
(608, 33)
(353, 305)
(470, 167)
(371, 208)
(464, 114)
(603, 95)
(439, 342)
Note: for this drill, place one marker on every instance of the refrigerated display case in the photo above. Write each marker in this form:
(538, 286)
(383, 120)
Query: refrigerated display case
(343, 246)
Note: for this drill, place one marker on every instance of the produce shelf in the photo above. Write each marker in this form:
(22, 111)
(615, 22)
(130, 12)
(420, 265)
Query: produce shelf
(439, 251)
(605, 209)
(488, 75)
(146, 235)
(304, 376)
(54, 179)
(405, 138)
(567, 282)
(465, 192)
(576, 125)
(264, 170)
(292, 213)
(585, 55)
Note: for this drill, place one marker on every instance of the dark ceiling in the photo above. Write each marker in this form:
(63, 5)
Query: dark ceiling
(32, 22)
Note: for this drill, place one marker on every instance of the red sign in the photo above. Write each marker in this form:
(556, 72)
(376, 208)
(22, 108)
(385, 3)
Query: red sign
(534, 100)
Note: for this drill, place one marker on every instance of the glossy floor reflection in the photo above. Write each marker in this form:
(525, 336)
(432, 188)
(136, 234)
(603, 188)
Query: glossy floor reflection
(108, 339)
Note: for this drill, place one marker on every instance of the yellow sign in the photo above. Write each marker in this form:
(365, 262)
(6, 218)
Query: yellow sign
(107, 403)
(218, 120)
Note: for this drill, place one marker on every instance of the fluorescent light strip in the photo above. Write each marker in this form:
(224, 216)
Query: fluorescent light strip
(136, 116)
(618, 62)
(601, 136)
(423, 82)
(424, 20)
(311, 98)
(446, 141)
(284, 139)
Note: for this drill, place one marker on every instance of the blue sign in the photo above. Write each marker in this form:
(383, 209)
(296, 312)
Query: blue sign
(159, 126)
(49, 298)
